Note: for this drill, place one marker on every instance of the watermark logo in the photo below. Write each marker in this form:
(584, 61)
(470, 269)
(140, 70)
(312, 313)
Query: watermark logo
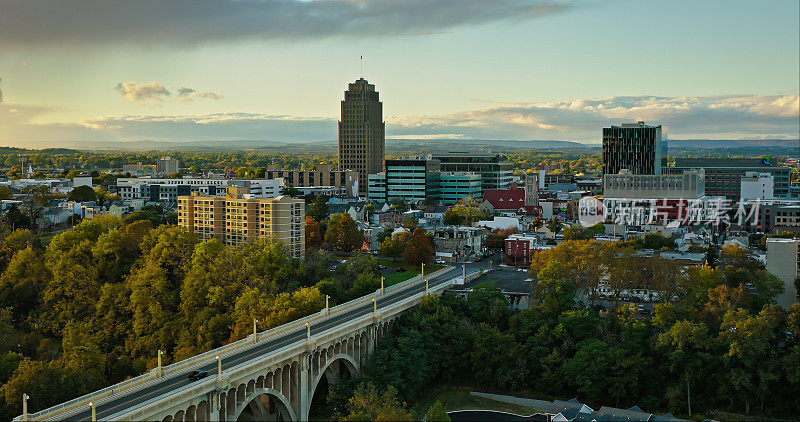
(590, 211)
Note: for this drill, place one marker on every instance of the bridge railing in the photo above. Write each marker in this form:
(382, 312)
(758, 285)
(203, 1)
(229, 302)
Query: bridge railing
(142, 381)
(159, 404)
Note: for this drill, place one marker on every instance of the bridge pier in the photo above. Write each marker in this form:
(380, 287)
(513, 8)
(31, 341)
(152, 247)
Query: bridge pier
(305, 385)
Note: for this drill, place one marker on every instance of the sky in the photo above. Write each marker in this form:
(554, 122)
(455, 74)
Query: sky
(89, 71)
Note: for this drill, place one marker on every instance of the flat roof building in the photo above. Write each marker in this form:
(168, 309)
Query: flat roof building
(689, 185)
(239, 217)
(495, 170)
(634, 146)
(783, 260)
(724, 175)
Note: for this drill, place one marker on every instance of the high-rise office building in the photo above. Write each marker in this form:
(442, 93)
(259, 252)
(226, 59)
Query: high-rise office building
(362, 138)
(634, 146)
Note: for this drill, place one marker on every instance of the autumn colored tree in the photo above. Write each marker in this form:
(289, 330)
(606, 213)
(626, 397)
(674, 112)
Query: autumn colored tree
(343, 234)
(464, 212)
(394, 245)
(369, 403)
(418, 250)
(313, 235)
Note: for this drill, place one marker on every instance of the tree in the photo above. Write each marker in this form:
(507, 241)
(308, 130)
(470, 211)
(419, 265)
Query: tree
(342, 234)
(22, 282)
(410, 222)
(318, 210)
(487, 304)
(588, 370)
(289, 190)
(418, 250)
(313, 236)
(15, 219)
(687, 343)
(555, 225)
(82, 194)
(768, 286)
(437, 413)
(464, 212)
(394, 245)
(372, 404)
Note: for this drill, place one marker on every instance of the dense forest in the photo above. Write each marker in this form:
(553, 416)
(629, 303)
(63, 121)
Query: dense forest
(93, 305)
(712, 341)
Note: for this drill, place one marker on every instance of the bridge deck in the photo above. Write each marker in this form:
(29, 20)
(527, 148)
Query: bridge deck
(126, 399)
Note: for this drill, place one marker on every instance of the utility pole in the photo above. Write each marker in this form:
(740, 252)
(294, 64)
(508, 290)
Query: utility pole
(423, 270)
(464, 273)
(255, 329)
(426, 286)
(374, 307)
(308, 333)
(25, 407)
(94, 414)
(382, 291)
(327, 309)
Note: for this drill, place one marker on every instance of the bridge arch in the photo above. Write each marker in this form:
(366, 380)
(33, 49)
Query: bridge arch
(353, 367)
(267, 404)
(331, 371)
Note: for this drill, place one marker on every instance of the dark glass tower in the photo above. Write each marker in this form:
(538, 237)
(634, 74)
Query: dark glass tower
(633, 146)
(362, 137)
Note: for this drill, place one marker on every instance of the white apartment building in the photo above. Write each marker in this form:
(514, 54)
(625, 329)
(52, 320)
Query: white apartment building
(783, 260)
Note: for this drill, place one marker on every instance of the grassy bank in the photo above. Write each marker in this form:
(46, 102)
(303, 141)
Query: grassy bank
(458, 398)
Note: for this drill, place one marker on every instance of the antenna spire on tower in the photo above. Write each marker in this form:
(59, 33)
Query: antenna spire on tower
(362, 66)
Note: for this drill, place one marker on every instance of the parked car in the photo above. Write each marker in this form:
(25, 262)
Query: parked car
(401, 270)
(196, 375)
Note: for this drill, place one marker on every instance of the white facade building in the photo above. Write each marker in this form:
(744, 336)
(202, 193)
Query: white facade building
(783, 260)
(163, 189)
(757, 186)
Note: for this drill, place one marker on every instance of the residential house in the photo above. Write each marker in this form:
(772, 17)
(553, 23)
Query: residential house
(459, 243)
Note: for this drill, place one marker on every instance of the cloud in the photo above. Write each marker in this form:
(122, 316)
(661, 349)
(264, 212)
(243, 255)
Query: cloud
(720, 117)
(186, 22)
(142, 91)
(189, 94)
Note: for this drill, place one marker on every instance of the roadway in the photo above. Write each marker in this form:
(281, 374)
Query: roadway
(175, 382)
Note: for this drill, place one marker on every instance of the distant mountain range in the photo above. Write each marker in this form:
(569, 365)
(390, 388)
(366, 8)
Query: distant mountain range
(414, 145)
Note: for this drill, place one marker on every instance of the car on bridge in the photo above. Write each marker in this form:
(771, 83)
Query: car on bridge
(196, 375)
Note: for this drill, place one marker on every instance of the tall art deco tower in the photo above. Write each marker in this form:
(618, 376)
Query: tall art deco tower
(362, 138)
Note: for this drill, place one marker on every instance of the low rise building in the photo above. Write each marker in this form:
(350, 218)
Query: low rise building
(346, 181)
(518, 249)
(459, 243)
(723, 175)
(168, 190)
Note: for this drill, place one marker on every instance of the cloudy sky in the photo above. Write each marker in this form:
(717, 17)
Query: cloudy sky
(201, 70)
